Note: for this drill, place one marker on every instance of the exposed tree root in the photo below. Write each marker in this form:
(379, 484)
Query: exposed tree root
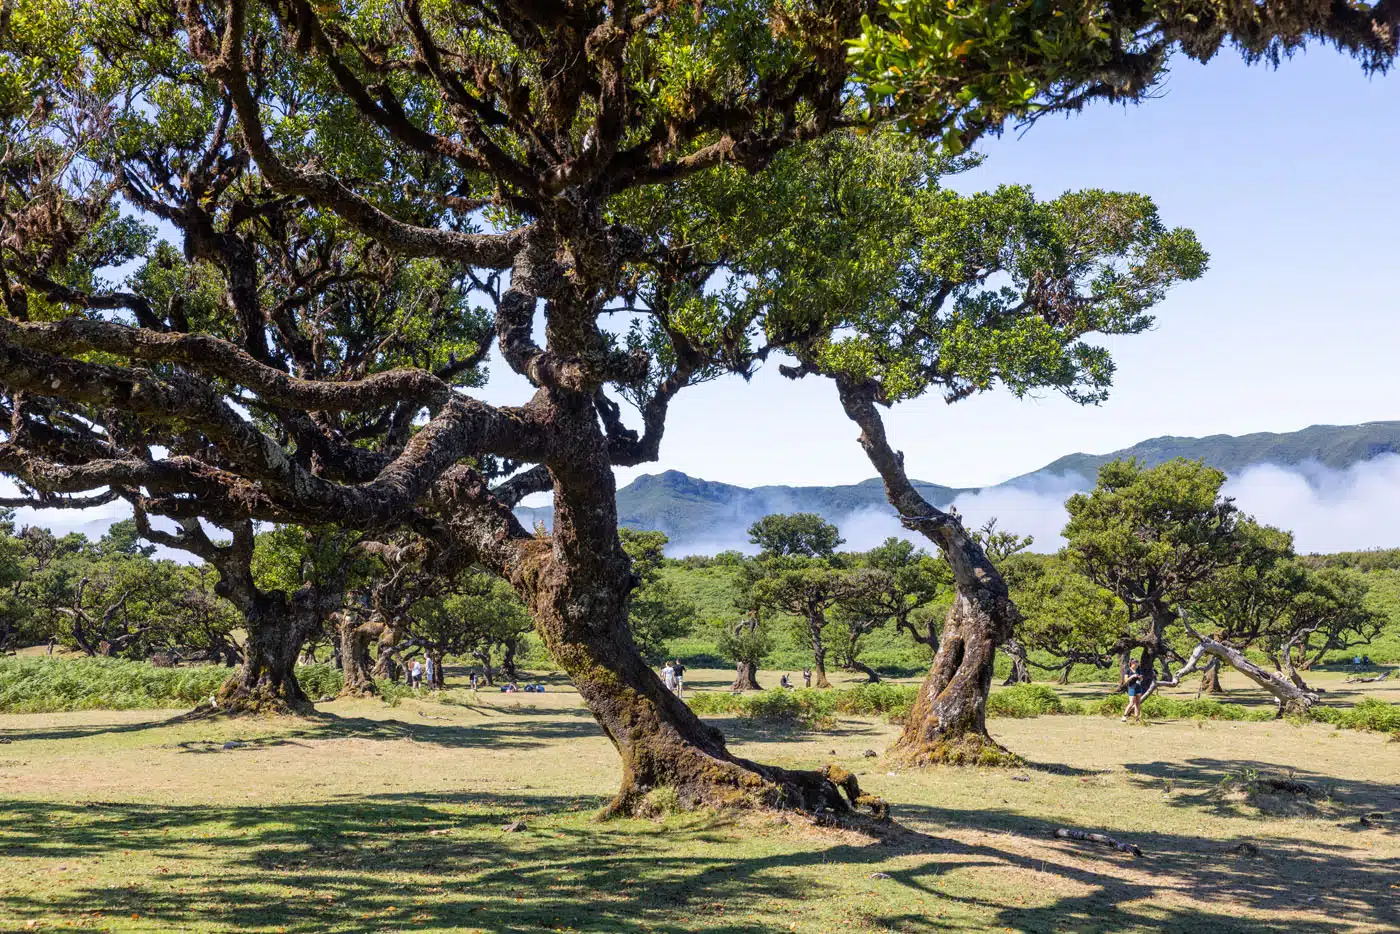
(736, 784)
(963, 749)
(263, 698)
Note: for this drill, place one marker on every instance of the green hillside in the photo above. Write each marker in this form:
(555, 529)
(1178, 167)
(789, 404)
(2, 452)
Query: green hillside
(1333, 446)
(704, 517)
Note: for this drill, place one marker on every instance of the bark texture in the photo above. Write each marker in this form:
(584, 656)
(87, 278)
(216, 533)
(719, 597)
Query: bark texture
(266, 682)
(357, 667)
(948, 721)
(1020, 663)
(745, 678)
(578, 583)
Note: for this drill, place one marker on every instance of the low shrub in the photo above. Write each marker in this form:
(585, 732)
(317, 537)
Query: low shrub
(807, 707)
(1368, 714)
(875, 699)
(319, 681)
(51, 685)
(1157, 707)
(47, 685)
(1024, 700)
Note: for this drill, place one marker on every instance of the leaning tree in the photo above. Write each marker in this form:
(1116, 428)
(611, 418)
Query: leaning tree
(1154, 537)
(489, 137)
(1272, 602)
(873, 275)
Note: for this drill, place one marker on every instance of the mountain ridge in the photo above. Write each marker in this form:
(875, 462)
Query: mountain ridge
(695, 511)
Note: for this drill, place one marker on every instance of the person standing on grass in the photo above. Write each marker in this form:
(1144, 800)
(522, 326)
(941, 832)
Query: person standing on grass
(415, 678)
(428, 671)
(806, 677)
(1137, 689)
(678, 672)
(668, 677)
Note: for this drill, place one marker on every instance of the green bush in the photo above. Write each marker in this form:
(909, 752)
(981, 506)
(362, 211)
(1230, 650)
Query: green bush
(1369, 714)
(49, 685)
(1157, 707)
(807, 706)
(813, 708)
(1024, 700)
(319, 681)
(872, 699)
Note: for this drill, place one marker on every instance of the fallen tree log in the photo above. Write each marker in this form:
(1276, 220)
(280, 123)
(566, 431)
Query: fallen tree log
(1100, 838)
(1371, 680)
(1289, 696)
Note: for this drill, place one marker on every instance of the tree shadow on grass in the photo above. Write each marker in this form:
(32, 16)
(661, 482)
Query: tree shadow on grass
(251, 733)
(756, 730)
(424, 862)
(1202, 782)
(1278, 877)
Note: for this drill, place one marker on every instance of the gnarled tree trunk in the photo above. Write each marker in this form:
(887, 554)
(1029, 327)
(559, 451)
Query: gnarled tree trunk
(871, 675)
(1210, 678)
(277, 624)
(745, 677)
(578, 585)
(1020, 663)
(487, 672)
(356, 665)
(509, 647)
(948, 721)
(815, 624)
(266, 682)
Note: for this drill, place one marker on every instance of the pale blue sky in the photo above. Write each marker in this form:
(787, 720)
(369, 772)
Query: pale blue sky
(1287, 177)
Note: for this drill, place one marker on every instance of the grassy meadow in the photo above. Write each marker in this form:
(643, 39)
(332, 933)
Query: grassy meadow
(376, 817)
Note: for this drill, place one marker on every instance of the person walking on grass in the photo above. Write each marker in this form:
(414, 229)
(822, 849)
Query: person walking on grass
(1137, 689)
(416, 674)
(668, 677)
(678, 672)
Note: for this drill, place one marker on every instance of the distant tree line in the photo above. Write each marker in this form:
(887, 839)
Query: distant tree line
(1159, 566)
(379, 603)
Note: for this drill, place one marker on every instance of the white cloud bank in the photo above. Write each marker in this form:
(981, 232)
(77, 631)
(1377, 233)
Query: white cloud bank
(1327, 510)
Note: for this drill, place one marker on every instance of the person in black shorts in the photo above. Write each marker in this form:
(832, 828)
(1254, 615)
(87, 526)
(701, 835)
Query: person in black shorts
(1137, 688)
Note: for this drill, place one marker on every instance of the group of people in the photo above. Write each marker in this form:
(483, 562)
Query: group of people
(673, 676)
(512, 688)
(419, 670)
(785, 682)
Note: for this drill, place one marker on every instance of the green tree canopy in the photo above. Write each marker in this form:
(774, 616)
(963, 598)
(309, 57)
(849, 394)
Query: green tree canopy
(1153, 537)
(798, 534)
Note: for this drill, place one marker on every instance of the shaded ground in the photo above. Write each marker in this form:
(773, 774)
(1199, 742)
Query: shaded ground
(370, 818)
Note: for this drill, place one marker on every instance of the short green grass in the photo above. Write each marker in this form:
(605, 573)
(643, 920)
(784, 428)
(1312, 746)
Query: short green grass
(372, 818)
